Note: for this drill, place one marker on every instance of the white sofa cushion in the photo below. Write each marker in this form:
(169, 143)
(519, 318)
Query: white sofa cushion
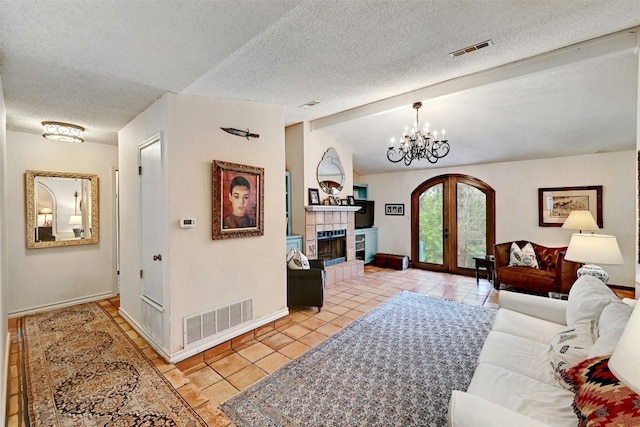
(467, 410)
(520, 355)
(587, 298)
(522, 325)
(544, 402)
(612, 322)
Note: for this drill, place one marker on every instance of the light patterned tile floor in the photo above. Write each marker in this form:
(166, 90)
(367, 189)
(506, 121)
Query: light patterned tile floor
(229, 368)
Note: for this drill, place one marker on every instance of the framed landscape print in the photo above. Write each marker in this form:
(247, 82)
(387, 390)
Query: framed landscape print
(237, 200)
(555, 204)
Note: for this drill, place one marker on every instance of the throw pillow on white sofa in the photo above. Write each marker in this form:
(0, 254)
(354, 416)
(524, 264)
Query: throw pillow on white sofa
(296, 260)
(570, 347)
(587, 298)
(525, 257)
(612, 322)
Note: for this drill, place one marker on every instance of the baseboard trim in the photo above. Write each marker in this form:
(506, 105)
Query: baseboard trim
(227, 336)
(63, 304)
(205, 345)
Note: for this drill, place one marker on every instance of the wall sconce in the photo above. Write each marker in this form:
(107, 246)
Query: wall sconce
(64, 132)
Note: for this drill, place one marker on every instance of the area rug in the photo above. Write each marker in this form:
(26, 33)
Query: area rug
(394, 366)
(82, 369)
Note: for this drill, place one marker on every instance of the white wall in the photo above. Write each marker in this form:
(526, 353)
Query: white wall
(205, 273)
(4, 333)
(516, 185)
(49, 277)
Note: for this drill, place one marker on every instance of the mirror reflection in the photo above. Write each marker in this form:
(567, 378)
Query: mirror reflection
(62, 209)
(330, 173)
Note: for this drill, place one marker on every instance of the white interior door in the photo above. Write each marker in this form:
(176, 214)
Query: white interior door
(150, 171)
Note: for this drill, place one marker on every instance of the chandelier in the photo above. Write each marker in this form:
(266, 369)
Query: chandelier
(418, 144)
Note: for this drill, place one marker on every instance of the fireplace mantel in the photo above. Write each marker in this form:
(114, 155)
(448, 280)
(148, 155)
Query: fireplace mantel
(331, 208)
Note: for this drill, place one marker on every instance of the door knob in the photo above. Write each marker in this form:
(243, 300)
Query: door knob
(157, 257)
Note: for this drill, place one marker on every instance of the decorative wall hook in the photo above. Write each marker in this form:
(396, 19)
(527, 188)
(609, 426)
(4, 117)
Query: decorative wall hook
(243, 133)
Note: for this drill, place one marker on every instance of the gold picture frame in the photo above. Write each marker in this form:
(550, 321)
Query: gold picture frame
(237, 200)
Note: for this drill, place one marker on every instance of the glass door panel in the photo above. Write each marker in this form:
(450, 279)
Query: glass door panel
(471, 224)
(431, 214)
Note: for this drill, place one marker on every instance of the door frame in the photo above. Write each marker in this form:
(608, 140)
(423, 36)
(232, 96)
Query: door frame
(450, 229)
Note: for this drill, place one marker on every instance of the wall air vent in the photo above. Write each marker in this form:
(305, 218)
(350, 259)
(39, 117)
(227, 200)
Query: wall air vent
(204, 325)
(471, 48)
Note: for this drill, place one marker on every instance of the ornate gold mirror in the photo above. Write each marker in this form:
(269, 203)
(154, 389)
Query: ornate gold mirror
(62, 209)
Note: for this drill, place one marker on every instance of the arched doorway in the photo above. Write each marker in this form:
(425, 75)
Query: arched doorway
(452, 221)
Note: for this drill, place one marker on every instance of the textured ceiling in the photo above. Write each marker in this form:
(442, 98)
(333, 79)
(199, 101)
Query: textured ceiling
(100, 63)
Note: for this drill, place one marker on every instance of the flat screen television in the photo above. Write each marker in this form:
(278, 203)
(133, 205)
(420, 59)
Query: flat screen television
(365, 215)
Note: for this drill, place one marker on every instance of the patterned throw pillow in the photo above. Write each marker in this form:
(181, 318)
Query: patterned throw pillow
(296, 260)
(600, 398)
(571, 346)
(525, 257)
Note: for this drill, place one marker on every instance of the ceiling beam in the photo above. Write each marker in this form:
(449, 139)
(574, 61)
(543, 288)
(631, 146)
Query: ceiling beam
(620, 43)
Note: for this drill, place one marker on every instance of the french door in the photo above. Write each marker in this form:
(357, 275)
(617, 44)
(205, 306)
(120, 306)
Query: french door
(452, 221)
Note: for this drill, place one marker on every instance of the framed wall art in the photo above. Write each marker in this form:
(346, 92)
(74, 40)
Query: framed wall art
(555, 204)
(237, 201)
(394, 209)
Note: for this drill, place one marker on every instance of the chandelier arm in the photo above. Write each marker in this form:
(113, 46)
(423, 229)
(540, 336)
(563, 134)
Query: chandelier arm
(392, 153)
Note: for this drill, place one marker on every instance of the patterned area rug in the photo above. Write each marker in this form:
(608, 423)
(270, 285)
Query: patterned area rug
(82, 369)
(395, 366)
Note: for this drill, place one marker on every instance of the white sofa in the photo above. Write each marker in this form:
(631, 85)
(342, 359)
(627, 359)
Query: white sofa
(517, 380)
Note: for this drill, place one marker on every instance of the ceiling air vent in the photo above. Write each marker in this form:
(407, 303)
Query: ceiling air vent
(471, 48)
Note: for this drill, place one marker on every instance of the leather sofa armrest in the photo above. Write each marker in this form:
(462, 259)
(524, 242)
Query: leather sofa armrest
(467, 410)
(567, 273)
(316, 263)
(553, 310)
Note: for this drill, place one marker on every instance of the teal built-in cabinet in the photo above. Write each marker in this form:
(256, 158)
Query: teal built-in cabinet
(366, 243)
(293, 240)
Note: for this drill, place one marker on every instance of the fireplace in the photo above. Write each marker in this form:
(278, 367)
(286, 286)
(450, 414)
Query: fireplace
(331, 246)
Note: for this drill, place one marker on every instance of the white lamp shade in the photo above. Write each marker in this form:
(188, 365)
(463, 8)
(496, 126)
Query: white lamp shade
(580, 220)
(75, 220)
(45, 211)
(624, 361)
(594, 249)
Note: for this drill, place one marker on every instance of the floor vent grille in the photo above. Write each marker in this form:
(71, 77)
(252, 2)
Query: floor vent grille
(203, 325)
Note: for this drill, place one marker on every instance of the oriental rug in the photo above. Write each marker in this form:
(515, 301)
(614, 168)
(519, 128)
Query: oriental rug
(394, 366)
(82, 369)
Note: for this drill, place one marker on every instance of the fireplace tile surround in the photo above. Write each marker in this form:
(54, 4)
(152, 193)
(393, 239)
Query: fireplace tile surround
(323, 218)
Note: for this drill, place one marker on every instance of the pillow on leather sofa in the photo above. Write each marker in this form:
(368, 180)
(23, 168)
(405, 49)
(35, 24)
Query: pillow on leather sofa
(296, 260)
(587, 298)
(525, 257)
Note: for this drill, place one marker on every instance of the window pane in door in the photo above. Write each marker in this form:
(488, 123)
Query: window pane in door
(431, 225)
(472, 224)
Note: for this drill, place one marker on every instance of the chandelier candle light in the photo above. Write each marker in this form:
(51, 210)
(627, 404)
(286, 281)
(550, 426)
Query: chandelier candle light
(418, 144)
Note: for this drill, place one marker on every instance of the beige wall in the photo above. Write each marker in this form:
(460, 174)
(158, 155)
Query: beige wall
(205, 273)
(516, 185)
(49, 277)
(304, 151)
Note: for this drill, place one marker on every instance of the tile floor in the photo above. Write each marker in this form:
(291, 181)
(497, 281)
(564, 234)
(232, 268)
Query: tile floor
(213, 376)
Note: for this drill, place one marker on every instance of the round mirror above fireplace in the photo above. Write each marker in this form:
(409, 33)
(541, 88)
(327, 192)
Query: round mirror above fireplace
(330, 173)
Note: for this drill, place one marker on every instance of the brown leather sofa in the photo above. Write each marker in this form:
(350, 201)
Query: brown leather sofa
(554, 273)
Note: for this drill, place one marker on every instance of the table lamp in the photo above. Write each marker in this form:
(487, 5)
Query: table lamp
(624, 361)
(580, 220)
(594, 249)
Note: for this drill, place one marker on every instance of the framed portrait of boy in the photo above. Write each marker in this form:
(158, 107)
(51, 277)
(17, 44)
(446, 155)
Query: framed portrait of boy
(237, 200)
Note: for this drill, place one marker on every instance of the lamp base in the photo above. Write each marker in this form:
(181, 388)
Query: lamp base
(77, 231)
(595, 271)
